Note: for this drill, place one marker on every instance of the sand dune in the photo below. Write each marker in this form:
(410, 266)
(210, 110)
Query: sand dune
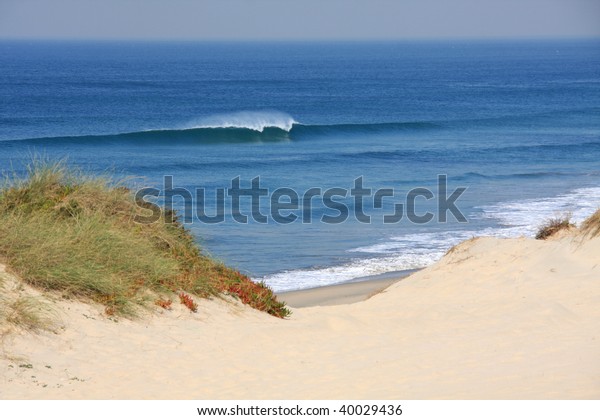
(495, 318)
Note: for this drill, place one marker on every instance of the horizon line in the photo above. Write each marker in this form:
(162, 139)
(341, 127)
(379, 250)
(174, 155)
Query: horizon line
(306, 40)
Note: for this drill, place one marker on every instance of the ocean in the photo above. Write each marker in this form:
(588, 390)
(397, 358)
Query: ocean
(515, 123)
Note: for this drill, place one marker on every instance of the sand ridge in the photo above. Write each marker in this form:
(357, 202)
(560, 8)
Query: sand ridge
(495, 318)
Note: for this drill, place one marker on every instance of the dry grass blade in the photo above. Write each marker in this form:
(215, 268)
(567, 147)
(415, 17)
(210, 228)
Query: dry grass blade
(553, 226)
(591, 226)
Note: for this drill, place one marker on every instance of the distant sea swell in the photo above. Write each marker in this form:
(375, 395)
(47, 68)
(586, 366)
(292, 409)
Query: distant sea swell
(235, 134)
(245, 127)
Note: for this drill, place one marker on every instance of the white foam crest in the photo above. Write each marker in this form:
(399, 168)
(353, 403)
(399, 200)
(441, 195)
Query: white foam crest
(252, 120)
(303, 279)
(526, 216)
(428, 241)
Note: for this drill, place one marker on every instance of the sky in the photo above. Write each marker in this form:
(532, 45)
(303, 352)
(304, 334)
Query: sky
(298, 19)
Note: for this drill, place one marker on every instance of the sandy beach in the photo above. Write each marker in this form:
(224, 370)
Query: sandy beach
(338, 294)
(495, 318)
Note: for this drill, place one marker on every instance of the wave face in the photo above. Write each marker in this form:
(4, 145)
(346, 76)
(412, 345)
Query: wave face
(272, 126)
(244, 127)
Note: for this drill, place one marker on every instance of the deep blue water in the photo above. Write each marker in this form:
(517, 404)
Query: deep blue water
(517, 123)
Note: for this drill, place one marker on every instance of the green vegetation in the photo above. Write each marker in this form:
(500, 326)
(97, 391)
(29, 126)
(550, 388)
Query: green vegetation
(63, 231)
(553, 226)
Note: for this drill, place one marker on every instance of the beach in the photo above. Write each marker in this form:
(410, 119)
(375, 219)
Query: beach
(493, 319)
(342, 293)
(322, 208)
(319, 174)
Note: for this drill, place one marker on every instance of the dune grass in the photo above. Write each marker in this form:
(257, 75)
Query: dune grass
(553, 226)
(27, 313)
(591, 225)
(64, 231)
(19, 309)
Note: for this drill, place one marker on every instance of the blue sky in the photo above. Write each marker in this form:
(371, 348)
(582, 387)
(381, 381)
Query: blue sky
(298, 19)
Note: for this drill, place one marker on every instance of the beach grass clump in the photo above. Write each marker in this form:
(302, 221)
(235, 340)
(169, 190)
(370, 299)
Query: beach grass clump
(27, 313)
(64, 231)
(553, 226)
(591, 225)
(18, 309)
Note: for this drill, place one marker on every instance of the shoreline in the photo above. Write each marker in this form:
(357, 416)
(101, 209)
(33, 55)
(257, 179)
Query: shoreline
(352, 291)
